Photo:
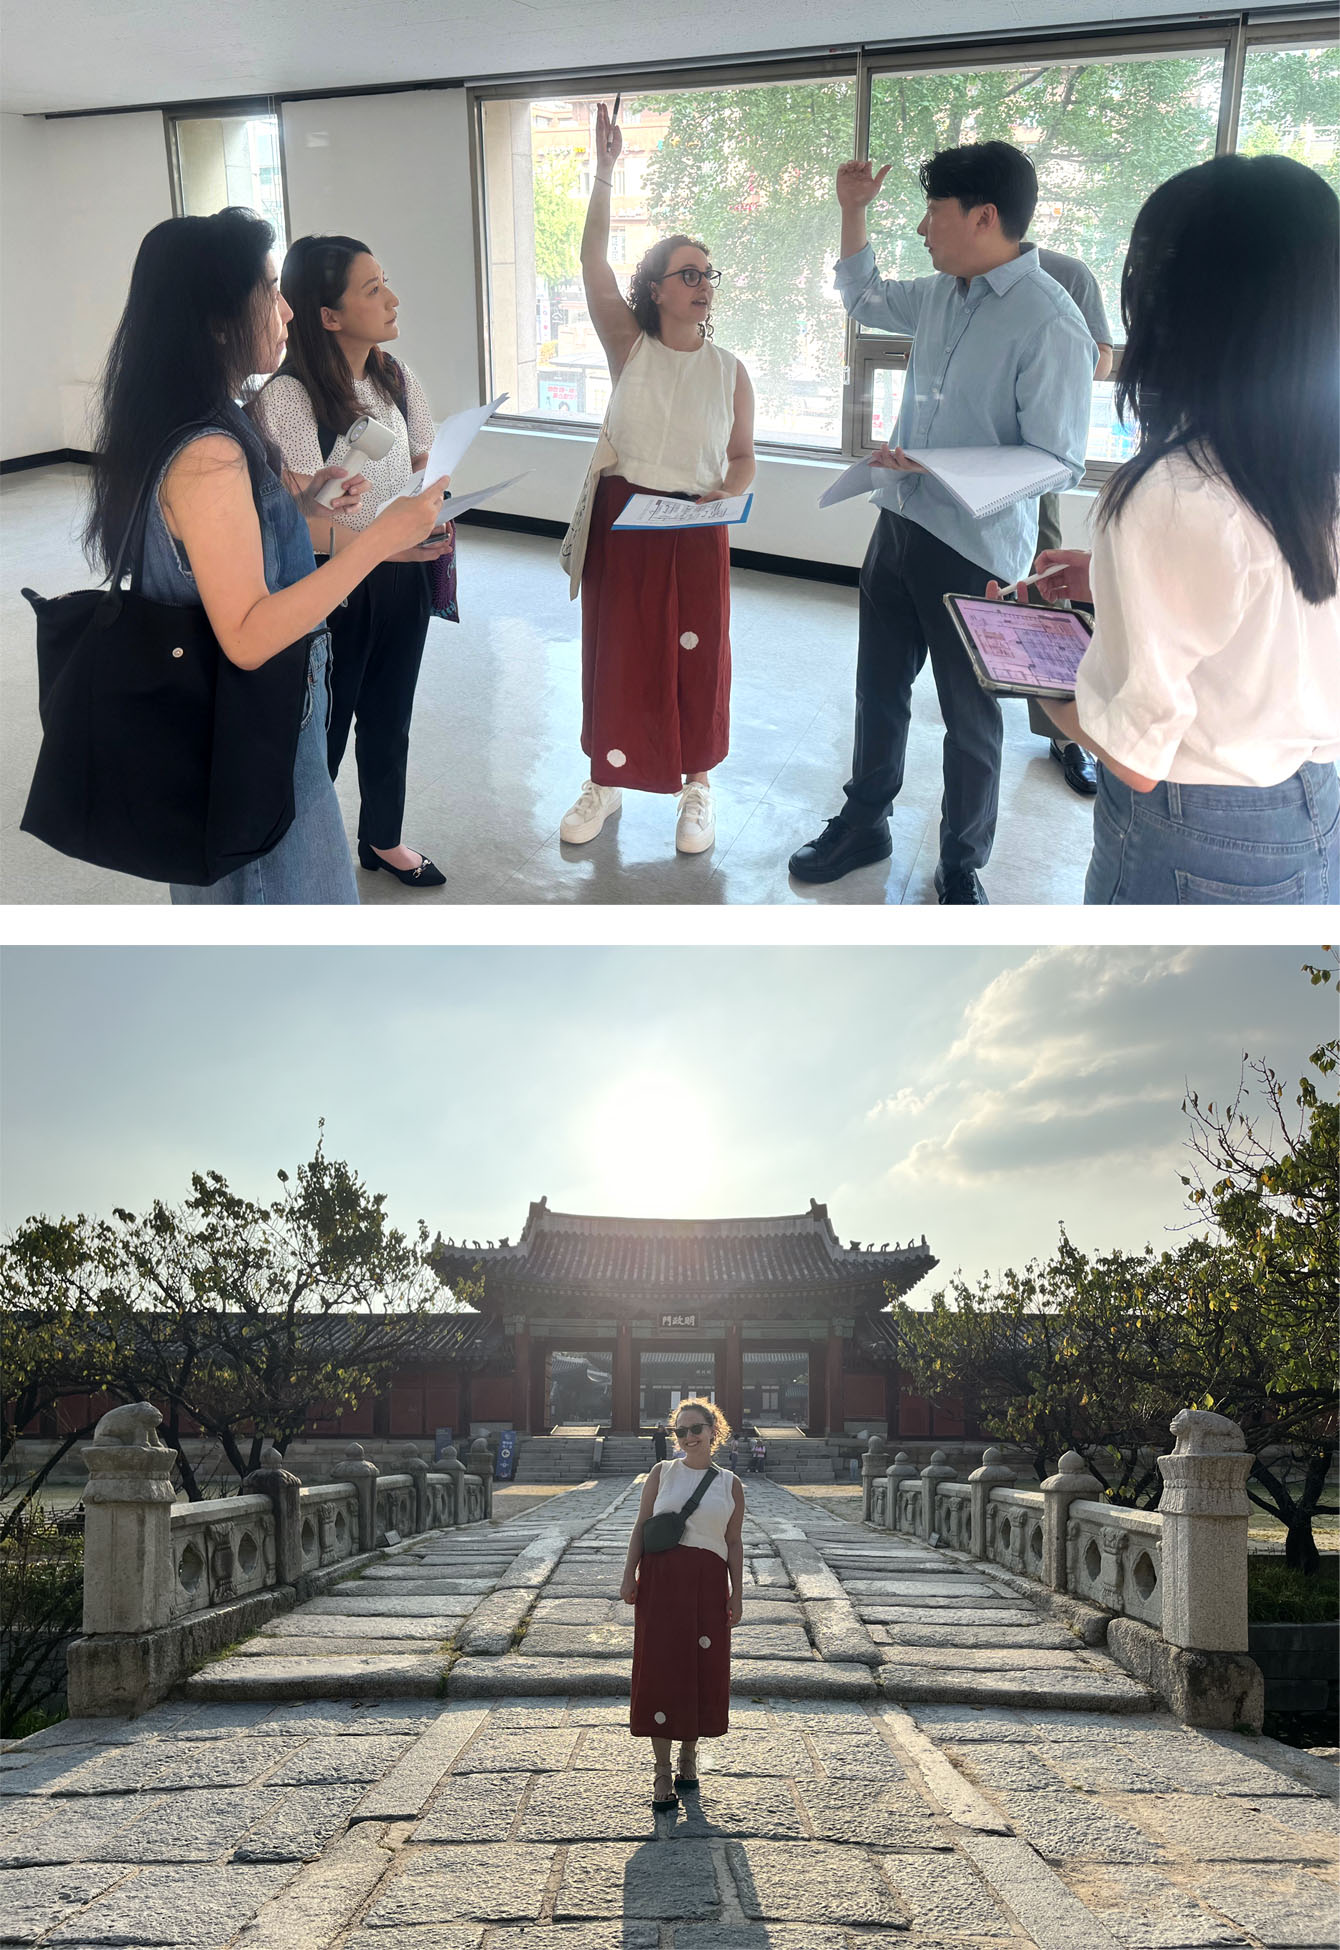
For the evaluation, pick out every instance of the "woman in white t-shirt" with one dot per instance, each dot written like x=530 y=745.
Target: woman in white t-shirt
x=687 y=1599
x=655 y=606
x=1211 y=691
x=334 y=375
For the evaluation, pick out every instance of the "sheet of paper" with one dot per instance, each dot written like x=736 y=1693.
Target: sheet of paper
x=986 y=479
x=665 y=511
x=859 y=478
x=452 y=440
x=456 y=504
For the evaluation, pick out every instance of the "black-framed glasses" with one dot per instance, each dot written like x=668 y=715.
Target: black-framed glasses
x=690 y=1428
x=693 y=277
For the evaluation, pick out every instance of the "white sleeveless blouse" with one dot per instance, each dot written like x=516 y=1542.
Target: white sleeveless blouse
x=671 y=415
x=705 y=1530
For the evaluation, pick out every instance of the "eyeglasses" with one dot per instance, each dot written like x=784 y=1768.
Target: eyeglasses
x=690 y=1428
x=693 y=277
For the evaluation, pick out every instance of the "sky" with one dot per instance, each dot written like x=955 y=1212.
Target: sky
x=982 y=1097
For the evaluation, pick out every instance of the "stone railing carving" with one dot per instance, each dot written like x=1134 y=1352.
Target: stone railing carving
x=1172 y=1581
x=166 y=1584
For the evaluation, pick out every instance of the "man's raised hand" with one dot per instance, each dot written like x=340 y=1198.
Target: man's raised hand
x=857 y=184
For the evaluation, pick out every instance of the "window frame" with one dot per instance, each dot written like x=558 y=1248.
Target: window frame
x=865 y=352
x=248 y=106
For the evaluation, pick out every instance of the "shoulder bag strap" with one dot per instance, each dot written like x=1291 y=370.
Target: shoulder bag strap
x=130 y=554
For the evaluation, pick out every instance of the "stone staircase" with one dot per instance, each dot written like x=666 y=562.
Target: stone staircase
x=554 y=1459
x=627 y=1455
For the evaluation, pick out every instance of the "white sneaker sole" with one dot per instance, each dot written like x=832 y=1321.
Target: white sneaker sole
x=695 y=842
x=581 y=835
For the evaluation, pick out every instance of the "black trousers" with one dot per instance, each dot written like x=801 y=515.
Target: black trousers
x=377 y=640
x=906 y=573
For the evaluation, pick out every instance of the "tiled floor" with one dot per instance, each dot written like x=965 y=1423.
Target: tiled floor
x=495 y=760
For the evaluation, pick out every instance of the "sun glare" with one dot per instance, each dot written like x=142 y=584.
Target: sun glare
x=657 y=1154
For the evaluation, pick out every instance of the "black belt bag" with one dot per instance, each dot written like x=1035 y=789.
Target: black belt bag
x=663 y=1532
x=159 y=757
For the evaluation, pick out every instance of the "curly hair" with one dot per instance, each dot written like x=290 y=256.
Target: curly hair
x=712 y=1415
x=650 y=270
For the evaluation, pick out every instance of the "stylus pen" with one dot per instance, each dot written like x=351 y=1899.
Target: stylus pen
x=1026 y=582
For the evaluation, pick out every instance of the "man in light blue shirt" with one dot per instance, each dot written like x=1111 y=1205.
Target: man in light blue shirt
x=1000 y=357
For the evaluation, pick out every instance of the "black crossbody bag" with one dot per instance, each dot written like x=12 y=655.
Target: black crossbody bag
x=663 y=1532
x=159 y=757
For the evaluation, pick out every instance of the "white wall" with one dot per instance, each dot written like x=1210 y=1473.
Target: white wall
x=392 y=169
x=77 y=198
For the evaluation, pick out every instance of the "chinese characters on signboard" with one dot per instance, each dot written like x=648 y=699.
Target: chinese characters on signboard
x=679 y=1320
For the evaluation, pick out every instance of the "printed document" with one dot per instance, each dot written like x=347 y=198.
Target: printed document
x=665 y=511
x=984 y=480
x=452 y=440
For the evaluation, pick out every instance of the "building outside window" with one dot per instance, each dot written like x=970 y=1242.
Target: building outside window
x=226 y=161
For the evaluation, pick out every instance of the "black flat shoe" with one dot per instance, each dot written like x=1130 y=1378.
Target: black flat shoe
x=685 y=1782
x=840 y=849
x=1077 y=767
x=663 y=1807
x=424 y=875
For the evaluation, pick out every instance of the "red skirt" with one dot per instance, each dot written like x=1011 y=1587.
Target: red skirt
x=655 y=649
x=681 y=1645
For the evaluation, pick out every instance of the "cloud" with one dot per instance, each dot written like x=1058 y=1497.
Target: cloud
x=1006 y=1135
x=906 y=1102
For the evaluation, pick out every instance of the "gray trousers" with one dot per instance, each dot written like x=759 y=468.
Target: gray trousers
x=906 y=573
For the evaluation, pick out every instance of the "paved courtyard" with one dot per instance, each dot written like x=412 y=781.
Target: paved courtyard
x=436 y=1755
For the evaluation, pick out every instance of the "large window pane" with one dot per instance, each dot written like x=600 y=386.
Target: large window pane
x=1291 y=107
x=749 y=170
x=231 y=161
x=1102 y=135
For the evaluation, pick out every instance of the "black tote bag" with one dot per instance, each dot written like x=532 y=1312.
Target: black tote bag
x=159 y=757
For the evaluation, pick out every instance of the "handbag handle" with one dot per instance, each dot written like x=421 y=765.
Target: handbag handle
x=132 y=541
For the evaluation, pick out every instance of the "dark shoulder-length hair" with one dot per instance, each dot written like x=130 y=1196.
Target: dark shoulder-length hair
x=183 y=351
x=1229 y=299
x=650 y=270
x=316 y=274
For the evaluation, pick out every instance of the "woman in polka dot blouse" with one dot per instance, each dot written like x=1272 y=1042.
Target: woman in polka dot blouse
x=686 y=1602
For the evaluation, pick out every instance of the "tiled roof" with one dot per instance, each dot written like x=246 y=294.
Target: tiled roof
x=565 y=1252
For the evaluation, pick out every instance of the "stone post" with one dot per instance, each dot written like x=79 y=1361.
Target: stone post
x=1071 y=1483
x=1204 y=1509
x=481 y=1465
x=873 y=1463
x=452 y=1466
x=284 y=1491
x=129 y=1576
x=356 y=1469
x=900 y=1471
x=413 y=1464
x=937 y=1471
x=993 y=1473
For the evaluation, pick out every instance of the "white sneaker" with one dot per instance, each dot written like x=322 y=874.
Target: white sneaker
x=583 y=821
x=697 y=827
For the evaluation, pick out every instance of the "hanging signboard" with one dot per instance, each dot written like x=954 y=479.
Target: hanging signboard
x=679 y=1320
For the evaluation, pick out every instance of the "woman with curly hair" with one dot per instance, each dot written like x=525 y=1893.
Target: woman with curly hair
x=655 y=606
x=687 y=1599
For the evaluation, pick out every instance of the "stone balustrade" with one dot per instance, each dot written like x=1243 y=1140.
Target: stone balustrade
x=1165 y=1589
x=167 y=1584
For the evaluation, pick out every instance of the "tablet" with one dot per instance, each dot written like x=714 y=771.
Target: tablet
x=1021 y=649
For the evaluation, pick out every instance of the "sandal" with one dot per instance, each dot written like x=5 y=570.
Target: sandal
x=662 y=1805
x=688 y=1752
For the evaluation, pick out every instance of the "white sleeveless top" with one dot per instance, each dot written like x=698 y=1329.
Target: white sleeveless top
x=671 y=415
x=705 y=1530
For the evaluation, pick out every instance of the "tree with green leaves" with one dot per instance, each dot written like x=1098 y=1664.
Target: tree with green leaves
x=559 y=216
x=246 y=1318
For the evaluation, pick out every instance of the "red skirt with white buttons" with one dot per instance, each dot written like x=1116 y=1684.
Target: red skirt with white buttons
x=681 y=1645
x=655 y=649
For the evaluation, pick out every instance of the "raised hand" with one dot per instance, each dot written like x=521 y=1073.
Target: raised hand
x=608 y=143
x=857 y=184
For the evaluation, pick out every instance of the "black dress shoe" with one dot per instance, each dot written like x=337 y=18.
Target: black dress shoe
x=1077 y=767
x=424 y=875
x=960 y=887
x=839 y=849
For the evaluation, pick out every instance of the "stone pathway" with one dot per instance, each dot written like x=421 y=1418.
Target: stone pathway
x=846 y=1809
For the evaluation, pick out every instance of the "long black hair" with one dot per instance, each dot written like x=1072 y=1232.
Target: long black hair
x=316 y=274
x=650 y=270
x=1229 y=298
x=184 y=349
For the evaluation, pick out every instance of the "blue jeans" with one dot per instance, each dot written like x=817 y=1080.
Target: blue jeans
x=1204 y=845
x=311 y=864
